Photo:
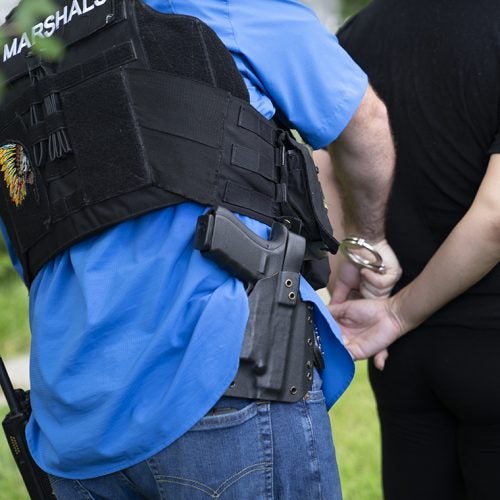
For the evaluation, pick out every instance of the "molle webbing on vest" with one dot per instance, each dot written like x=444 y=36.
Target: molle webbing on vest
x=146 y=110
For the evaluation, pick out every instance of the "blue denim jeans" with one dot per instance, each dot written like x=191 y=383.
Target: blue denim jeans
x=241 y=450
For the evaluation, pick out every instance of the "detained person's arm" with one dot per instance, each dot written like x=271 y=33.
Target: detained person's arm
x=356 y=178
x=469 y=252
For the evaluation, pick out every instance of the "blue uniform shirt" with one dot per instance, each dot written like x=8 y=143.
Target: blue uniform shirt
x=134 y=334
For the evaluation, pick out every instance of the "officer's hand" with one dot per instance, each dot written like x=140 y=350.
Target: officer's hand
x=344 y=280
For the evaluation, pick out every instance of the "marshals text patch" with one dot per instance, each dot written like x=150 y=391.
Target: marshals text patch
x=49 y=26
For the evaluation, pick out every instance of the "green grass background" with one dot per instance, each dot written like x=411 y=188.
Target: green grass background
x=14 y=340
x=357 y=439
x=354 y=420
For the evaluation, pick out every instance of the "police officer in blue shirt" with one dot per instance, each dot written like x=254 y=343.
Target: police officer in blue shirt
x=136 y=335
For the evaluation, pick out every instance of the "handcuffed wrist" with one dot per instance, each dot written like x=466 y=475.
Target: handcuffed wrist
x=362 y=253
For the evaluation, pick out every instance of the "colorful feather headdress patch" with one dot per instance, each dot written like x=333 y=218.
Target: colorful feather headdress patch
x=16 y=169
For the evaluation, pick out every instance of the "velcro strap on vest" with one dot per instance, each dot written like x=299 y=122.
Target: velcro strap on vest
x=223 y=132
x=254 y=122
x=51 y=123
x=102 y=63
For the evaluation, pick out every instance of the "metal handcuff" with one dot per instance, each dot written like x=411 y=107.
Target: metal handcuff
x=351 y=248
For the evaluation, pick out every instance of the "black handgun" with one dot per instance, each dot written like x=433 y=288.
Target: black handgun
x=276 y=358
x=244 y=254
x=36 y=480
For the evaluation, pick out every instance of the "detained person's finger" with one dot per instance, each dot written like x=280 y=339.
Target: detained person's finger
x=380 y=358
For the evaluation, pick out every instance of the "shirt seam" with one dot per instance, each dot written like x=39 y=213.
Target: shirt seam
x=231 y=25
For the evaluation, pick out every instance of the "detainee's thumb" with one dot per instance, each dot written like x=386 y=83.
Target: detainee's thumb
x=380 y=358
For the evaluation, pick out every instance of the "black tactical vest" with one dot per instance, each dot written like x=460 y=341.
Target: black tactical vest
x=145 y=110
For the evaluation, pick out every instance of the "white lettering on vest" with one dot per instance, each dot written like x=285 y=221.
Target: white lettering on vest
x=75 y=9
x=86 y=8
x=61 y=17
x=37 y=30
x=8 y=52
x=49 y=26
x=24 y=43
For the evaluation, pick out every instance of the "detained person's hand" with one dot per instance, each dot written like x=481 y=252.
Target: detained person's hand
x=348 y=281
x=374 y=285
x=368 y=327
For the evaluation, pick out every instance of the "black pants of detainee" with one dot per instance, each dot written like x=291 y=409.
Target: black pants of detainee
x=438 y=401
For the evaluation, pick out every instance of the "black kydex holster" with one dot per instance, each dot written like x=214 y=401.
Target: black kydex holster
x=36 y=480
x=276 y=359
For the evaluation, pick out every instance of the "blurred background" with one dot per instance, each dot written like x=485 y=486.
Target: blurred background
x=5 y=6
x=354 y=420
x=334 y=12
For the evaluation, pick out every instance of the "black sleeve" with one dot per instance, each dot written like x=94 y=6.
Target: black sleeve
x=495 y=146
